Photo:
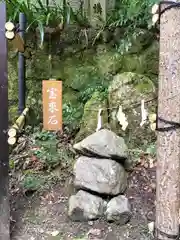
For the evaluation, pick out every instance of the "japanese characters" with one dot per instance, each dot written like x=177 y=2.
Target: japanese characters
x=52 y=105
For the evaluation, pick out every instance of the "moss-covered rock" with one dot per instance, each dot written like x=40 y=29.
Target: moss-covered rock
x=145 y=63
x=127 y=90
x=78 y=75
x=131 y=63
x=140 y=39
x=89 y=119
x=149 y=59
x=82 y=73
x=72 y=108
x=108 y=60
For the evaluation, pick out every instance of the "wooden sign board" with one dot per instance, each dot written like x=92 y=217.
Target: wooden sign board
x=52 y=105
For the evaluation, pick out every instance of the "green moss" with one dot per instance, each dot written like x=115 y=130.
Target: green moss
x=127 y=90
x=131 y=63
x=70 y=96
x=79 y=75
x=108 y=60
x=89 y=119
x=145 y=63
x=13 y=89
x=140 y=39
x=34 y=101
x=72 y=108
x=82 y=74
x=12 y=80
x=13 y=114
x=149 y=59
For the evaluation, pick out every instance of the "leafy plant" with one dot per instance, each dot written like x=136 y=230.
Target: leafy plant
x=44 y=136
x=151 y=150
x=132 y=14
x=86 y=95
x=49 y=151
x=40 y=15
x=33 y=181
x=72 y=114
x=128 y=15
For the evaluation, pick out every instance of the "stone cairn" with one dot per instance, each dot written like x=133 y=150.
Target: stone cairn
x=100 y=179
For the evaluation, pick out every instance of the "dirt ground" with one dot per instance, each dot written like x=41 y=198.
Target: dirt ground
x=44 y=216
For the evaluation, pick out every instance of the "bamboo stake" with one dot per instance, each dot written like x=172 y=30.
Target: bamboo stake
x=10 y=35
x=9 y=26
x=19 y=124
x=12 y=140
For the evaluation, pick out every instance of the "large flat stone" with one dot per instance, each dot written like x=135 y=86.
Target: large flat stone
x=103 y=143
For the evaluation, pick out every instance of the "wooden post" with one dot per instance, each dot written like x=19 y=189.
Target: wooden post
x=22 y=67
x=100 y=9
x=168 y=142
x=4 y=163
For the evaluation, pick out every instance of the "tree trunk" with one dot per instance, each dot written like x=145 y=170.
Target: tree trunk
x=4 y=164
x=168 y=142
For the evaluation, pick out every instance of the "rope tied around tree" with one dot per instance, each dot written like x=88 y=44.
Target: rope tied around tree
x=175 y=237
x=157 y=12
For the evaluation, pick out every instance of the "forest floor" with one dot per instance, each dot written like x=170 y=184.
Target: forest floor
x=42 y=214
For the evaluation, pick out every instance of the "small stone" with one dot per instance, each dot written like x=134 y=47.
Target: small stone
x=146 y=165
x=153 y=185
x=84 y=206
x=94 y=232
x=41 y=230
x=118 y=210
x=90 y=223
x=55 y=233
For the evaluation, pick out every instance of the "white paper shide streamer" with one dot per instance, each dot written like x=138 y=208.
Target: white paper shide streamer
x=122 y=119
x=99 y=120
x=144 y=114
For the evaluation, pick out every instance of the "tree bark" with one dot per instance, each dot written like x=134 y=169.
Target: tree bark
x=4 y=163
x=168 y=142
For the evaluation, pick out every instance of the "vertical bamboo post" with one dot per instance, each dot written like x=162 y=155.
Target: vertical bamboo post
x=168 y=142
x=4 y=161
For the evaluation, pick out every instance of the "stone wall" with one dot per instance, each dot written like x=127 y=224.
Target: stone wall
x=85 y=72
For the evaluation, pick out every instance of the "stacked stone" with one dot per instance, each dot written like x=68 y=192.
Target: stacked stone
x=100 y=179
